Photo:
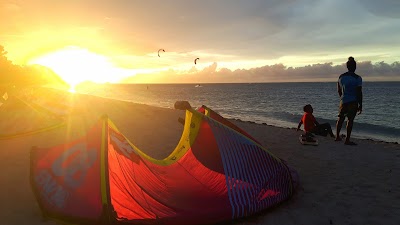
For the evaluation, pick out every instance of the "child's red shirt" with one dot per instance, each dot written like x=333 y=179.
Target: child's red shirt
x=308 y=120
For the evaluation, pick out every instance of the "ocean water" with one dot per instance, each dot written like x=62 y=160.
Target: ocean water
x=277 y=104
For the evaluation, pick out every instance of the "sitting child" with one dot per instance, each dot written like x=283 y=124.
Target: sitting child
x=311 y=126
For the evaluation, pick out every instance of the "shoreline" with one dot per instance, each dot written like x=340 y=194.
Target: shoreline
x=361 y=130
x=293 y=128
x=354 y=134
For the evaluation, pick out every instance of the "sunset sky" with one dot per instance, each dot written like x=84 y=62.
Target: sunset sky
x=240 y=41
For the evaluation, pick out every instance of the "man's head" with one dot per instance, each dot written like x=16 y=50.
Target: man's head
x=351 y=64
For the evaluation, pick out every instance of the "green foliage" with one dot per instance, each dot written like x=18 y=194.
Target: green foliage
x=22 y=76
x=6 y=66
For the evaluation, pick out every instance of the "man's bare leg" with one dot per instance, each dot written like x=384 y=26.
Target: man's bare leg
x=339 y=124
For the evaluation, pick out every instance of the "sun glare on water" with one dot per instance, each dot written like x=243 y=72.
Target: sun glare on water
x=75 y=65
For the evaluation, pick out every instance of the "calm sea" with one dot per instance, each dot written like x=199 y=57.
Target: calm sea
x=278 y=104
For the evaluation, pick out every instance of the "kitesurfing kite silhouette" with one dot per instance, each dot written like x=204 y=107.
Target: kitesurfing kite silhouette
x=159 y=51
x=195 y=61
x=102 y=178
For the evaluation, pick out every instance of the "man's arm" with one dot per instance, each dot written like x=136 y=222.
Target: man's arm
x=359 y=98
x=339 y=89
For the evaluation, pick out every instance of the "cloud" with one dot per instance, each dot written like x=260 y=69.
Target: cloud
x=224 y=27
x=274 y=73
x=266 y=29
x=243 y=30
x=382 y=8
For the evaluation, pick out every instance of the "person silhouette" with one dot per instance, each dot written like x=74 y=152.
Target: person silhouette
x=349 y=87
x=311 y=125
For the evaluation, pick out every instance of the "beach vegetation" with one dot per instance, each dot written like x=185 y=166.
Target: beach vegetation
x=16 y=76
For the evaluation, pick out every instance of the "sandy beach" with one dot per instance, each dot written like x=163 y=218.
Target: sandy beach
x=339 y=184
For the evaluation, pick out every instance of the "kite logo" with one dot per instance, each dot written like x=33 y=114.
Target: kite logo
x=74 y=163
x=53 y=192
x=124 y=147
x=67 y=172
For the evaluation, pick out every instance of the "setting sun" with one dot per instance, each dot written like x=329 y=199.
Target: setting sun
x=75 y=65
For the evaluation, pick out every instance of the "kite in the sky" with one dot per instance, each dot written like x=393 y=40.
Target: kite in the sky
x=159 y=51
x=195 y=61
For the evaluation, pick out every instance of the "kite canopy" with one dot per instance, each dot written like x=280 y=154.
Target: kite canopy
x=35 y=118
x=159 y=51
x=216 y=173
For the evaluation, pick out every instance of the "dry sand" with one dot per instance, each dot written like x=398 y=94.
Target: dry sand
x=339 y=184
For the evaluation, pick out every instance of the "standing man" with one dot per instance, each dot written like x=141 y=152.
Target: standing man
x=349 y=88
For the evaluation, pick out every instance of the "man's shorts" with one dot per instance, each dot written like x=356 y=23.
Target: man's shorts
x=348 y=109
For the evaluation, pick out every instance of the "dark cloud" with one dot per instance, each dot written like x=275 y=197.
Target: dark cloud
x=275 y=73
x=382 y=8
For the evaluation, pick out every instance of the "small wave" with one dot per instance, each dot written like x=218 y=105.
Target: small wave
x=289 y=120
